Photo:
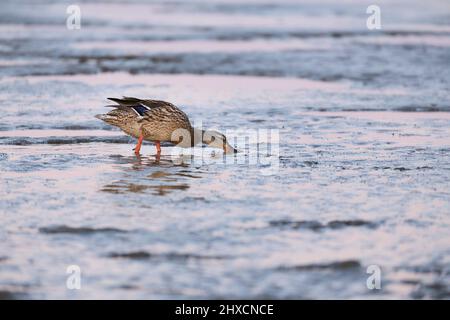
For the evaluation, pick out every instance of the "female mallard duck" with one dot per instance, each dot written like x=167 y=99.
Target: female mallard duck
x=159 y=121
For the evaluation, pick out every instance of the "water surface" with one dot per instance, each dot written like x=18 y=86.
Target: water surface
x=361 y=178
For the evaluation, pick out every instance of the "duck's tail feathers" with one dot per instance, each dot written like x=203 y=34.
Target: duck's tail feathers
x=103 y=117
x=127 y=101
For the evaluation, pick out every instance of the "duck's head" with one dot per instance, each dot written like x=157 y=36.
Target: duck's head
x=216 y=139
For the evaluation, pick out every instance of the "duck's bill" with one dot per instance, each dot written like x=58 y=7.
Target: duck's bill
x=229 y=149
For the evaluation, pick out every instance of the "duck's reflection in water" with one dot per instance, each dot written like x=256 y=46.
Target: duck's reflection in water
x=158 y=175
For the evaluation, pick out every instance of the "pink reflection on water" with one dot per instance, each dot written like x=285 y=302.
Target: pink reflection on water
x=422 y=40
x=199 y=81
x=58 y=133
x=400 y=129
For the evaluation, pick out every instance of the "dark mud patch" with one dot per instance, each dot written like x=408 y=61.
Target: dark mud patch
x=195 y=199
x=429 y=108
x=402 y=169
x=318 y=226
x=433 y=290
x=144 y=255
x=135 y=255
x=62 y=229
x=11 y=295
x=346 y=265
x=436 y=284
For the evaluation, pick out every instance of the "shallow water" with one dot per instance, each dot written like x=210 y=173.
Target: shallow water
x=361 y=176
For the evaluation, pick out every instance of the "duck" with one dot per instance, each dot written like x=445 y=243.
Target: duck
x=160 y=121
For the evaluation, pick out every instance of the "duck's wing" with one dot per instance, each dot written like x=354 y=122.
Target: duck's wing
x=153 y=110
x=131 y=104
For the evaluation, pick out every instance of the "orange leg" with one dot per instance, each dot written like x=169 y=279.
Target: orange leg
x=158 y=147
x=139 y=144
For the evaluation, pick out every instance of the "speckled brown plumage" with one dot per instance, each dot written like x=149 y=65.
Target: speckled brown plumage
x=159 y=121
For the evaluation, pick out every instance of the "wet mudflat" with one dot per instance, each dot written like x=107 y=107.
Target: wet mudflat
x=361 y=176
